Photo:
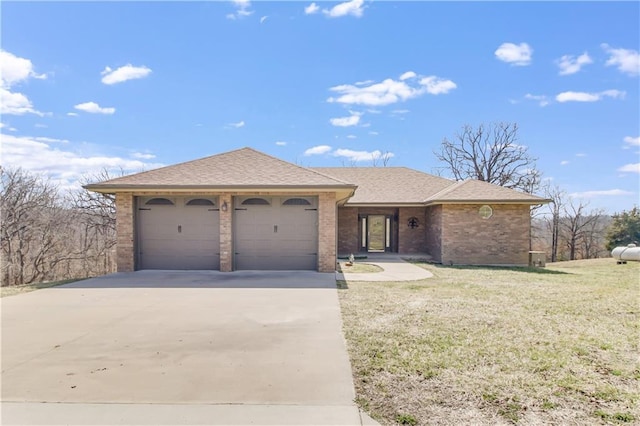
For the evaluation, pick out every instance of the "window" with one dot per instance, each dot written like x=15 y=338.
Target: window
x=159 y=202
x=296 y=202
x=255 y=202
x=200 y=202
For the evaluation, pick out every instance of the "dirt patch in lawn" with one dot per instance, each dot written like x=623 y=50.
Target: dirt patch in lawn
x=358 y=268
x=493 y=346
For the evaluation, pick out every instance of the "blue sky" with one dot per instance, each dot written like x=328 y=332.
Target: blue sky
x=135 y=85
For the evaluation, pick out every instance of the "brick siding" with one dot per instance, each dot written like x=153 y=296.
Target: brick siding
x=125 y=247
x=411 y=240
x=327 y=231
x=348 y=232
x=503 y=239
x=433 y=228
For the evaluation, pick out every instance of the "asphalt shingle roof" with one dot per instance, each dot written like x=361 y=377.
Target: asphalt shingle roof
x=244 y=167
x=472 y=190
x=388 y=185
x=248 y=168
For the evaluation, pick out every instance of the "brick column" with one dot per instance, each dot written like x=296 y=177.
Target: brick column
x=125 y=254
x=327 y=228
x=226 y=233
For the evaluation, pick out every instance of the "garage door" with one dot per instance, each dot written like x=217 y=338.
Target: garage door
x=178 y=233
x=278 y=233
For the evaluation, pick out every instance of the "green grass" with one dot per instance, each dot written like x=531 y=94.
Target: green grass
x=19 y=289
x=486 y=346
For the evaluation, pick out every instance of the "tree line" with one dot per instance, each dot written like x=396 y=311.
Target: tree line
x=51 y=235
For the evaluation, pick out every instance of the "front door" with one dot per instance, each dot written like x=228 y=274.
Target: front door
x=377 y=233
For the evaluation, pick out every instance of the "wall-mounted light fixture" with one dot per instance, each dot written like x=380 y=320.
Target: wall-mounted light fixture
x=224 y=206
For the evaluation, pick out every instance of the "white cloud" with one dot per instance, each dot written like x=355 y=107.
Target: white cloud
x=389 y=91
x=317 y=150
x=311 y=9
x=15 y=70
x=372 y=133
x=49 y=140
x=603 y=193
x=15 y=103
x=94 y=108
x=352 y=120
x=581 y=154
x=262 y=19
x=358 y=156
x=514 y=54
x=407 y=75
x=72 y=114
x=127 y=72
x=564 y=162
x=281 y=143
x=352 y=137
x=143 y=155
x=630 y=140
x=627 y=60
x=589 y=97
x=400 y=111
x=437 y=86
x=242 y=9
x=632 y=168
x=569 y=64
x=541 y=99
x=64 y=167
x=353 y=7
x=40 y=126
x=238 y=124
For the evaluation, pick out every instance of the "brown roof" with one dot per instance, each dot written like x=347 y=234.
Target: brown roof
x=244 y=167
x=388 y=185
x=249 y=169
x=400 y=185
x=476 y=191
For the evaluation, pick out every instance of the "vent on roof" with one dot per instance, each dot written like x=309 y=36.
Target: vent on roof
x=255 y=202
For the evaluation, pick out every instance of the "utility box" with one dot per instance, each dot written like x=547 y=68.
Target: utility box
x=537 y=259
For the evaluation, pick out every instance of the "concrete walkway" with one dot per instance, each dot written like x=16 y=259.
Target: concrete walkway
x=395 y=268
x=171 y=347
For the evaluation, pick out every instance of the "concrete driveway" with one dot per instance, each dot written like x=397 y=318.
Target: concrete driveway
x=167 y=347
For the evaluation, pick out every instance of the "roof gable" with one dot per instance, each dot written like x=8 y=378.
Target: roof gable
x=244 y=167
x=472 y=190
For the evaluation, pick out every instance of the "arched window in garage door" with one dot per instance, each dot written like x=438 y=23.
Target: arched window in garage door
x=159 y=202
x=200 y=202
x=296 y=202
x=255 y=202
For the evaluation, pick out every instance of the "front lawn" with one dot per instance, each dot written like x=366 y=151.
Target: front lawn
x=19 y=289
x=488 y=346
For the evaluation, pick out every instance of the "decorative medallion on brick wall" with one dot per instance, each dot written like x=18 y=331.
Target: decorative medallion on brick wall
x=485 y=212
x=413 y=222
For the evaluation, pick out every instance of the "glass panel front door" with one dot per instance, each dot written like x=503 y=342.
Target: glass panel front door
x=377 y=233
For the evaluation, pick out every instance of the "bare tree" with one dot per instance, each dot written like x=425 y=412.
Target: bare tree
x=45 y=236
x=381 y=158
x=556 y=207
x=29 y=222
x=491 y=154
x=575 y=224
x=593 y=236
